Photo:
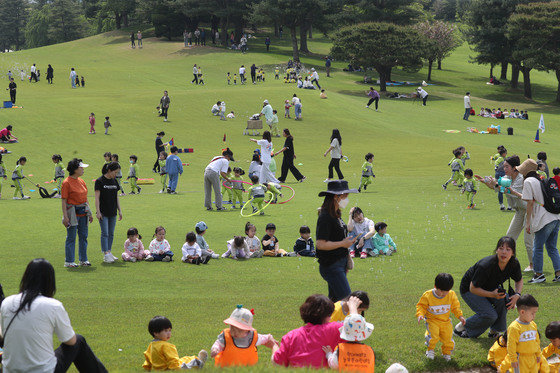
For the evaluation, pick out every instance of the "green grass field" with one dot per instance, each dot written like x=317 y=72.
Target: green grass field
x=112 y=304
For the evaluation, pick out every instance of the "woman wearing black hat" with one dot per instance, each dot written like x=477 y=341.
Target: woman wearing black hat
x=333 y=241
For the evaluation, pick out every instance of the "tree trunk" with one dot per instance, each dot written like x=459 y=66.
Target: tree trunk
x=430 y=64
x=295 y=51
x=224 y=34
x=125 y=20
x=439 y=64
x=303 y=39
x=503 y=74
x=118 y=18
x=558 y=91
x=514 y=75
x=276 y=32
x=384 y=76
x=526 y=82
x=491 y=70
x=310 y=32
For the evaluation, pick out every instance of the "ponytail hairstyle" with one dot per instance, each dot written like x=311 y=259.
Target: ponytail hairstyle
x=57 y=157
x=248 y=227
x=21 y=159
x=132 y=231
x=266 y=136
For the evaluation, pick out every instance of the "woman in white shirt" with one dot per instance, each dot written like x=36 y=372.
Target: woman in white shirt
x=336 y=155
x=266 y=149
x=30 y=319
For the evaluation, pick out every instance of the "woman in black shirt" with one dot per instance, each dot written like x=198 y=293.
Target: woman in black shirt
x=288 y=160
x=482 y=288
x=160 y=147
x=333 y=241
x=107 y=204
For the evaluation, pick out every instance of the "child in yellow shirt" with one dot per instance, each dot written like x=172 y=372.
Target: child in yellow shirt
x=524 y=344
x=434 y=308
x=498 y=351
x=552 y=351
x=162 y=355
x=341 y=309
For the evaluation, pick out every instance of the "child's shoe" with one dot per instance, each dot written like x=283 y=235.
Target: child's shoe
x=132 y=192
x=446 y=357
x=166 y=259
x=430 y=354
x=139 y=190
x=365 y=187
x=352 y=253
x=162 y=191
x=444 y=186
x=202 y=356
x=25 y=197
x=133 y=259
x=502 y=207
x=374 y=253
x=149 y=258
x=215 y=256
x=360 y=190
x=363 y=255
x=16 y=198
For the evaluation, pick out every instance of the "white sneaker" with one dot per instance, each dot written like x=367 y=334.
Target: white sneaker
x=133 y=259
x=161 y=191
x=149 y=258
x=215 y=256
x=114 y=257
x=528 y=269
x=447 y=357
x=430 y=354
x=108 y=258
x=459 y=327
x=166 y=259
x=25 y=197
x=326 y=180
x=70 y=265
x=165 y=120
x=85 y=264
x=16 y=198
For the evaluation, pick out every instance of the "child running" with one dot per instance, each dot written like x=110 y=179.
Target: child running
x=457 y=167
x=133 y=175
x=133 y=247
x=17 y=177
x=434 y=308
x=367 y=172
x=58 y=173
x=162 y=171
x=162 y=355
x=160 y=250
x=470 y=187
x=237 y=345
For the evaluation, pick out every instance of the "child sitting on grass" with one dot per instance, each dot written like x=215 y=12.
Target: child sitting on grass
x=341 y=308
x=133 y=175
x=191 y=251
x=382 y=242
x=160 y=250
x=200 y=229
x=304 y=244
x=237 y=345
x=434 y=308
x=270 y=242
x=133 y=247
x=367 y=172
x=252 y=241
x=162 y=355
x=323 y=94
x=552 y=332
x=498 y=351
x=237 y=248
x=352 y=355
x=469 y=186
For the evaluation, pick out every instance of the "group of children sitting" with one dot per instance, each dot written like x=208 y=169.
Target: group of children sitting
x=499 y=114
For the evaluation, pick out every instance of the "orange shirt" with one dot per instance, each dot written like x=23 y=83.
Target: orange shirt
x=355 y=357
x=74 y=191
x=237 y=356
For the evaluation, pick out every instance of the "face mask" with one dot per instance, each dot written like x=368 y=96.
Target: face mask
x=131 y=162
x=343 y=203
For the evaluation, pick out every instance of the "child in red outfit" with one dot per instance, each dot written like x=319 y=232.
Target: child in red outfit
x=556 y=172
x=91 y=124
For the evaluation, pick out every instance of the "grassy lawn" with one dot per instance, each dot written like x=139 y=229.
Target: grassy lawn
x=112 y=304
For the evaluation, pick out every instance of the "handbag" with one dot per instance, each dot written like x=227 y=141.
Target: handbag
x=350 y=262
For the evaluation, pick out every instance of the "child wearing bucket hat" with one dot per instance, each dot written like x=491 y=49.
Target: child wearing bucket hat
x=237 y=345
x=352 y=355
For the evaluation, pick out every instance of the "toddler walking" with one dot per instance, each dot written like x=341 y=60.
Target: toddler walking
x=91 y=123
x=237 y=187
x=470 y=187
x=367 y=172
x=107 y=124
x=133 y=175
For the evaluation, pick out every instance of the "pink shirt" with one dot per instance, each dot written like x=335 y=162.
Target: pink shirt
x=133 y=248
x=302 y=347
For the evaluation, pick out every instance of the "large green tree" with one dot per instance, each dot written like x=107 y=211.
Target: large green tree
x=37 y=27
x=536 y=29
x=67 y=22
x=13 y=14
x=379 y=45
x=403 y=12
x=121 y=10
x=441 y=39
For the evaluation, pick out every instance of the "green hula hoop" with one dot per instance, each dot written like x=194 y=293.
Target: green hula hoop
x=248 y=203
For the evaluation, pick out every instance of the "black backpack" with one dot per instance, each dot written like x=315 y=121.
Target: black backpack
x=551 y=194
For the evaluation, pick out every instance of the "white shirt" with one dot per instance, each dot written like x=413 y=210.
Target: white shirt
x=73 y=74
x=467 y=102
x=363 y=227
x=314 y=75
x=266 y=148
x=194 y=70
x=215 y=108
x=541 y=217
x=254 y=244
x=189 y=250
x=336 y=151
x=422 y=93
x=241 y=70
x=296 y=100
x=33 y=68
x=29 y=343
x=218 y=164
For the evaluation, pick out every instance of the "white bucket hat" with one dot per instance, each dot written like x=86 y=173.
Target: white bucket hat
x=355 y=328
x=241 y=318
x=396 y=368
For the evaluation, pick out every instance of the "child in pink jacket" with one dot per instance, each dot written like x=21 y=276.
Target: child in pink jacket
x=91 y=124
x=133 y=247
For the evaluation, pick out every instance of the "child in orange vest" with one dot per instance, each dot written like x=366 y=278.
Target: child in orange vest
x=162 y=355
x=237 y=345
x=353 y=355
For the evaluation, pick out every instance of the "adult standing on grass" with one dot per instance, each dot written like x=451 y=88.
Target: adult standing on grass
x=217 y=167
x=33 y=73
x=267 y=43
x=132 y=40
x=267 y=112
x=73 y=77
x=242 y=74
x=75 y=213
x=296 y=101
x=185 y=37
x=542 y=223
x=373 y=97
x=195 y=74
x=12 y=87
x=30 y=320
x=160 y=147
x=139 y=37
x=254 y=73
x=266 y=174
x=517 y=225
x=50 y=74
x=423 y=95
x=288 y=160
x=333 y=241
x=336 y=154
x=106 y=206
x=483 y=289
x=468 y=106
x=164 y=103
x=328 y=63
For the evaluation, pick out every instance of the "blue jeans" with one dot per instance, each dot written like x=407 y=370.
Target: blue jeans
x=173 y=179
x=107 y=225
x=368 y=244
x=335 y=276
x=546 y=235
x=297 y=109
x=467 y=113
x=73 y=83
x=159 y=257
x=488 y=313
x=82 y=230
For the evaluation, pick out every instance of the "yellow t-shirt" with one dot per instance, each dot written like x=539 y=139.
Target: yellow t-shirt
x=338 y=313
x=523 y=339
x=552 y=352
x=162 y=355
x=497 y=353
x=434 y=308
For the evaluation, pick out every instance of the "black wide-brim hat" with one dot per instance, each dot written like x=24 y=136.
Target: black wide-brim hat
x=337 y=187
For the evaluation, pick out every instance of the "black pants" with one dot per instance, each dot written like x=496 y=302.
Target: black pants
x=81 y=355
x=424 y=100
x=164 y=111
x=316 y=82
x=376 y=99
x=49 y=79
x=13 y=96
x=335 y=163
x=253 y=77
x=195 y=79
x=156 y=167
x=288 y=165
x=34 y=77
x=267 y=47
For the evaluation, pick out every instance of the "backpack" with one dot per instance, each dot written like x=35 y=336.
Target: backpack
x=551 y=195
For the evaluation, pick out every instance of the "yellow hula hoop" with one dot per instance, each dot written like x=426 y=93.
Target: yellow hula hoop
x=248 y=203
